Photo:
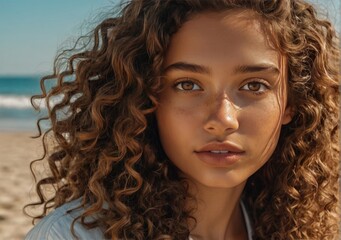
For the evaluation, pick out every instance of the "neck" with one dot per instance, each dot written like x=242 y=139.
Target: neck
x=217 y=212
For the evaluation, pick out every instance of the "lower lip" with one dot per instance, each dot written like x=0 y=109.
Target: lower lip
x=219 y=159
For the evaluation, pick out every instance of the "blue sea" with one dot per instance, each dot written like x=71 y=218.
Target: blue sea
x=16 y=112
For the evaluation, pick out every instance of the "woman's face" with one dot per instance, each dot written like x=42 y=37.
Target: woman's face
x=224 y=100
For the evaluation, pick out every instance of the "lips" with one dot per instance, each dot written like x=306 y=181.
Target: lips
x=223 y=147
x=220 y=154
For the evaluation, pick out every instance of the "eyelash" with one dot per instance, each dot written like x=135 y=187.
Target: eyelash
x=187 y=80
x=263 y=84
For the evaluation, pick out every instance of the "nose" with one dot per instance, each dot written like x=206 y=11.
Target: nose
x=222 y=119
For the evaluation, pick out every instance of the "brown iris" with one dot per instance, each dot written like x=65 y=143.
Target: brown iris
x=254 y=86
x=187 y=85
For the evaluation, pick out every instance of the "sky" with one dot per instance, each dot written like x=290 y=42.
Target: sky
x=31 y=31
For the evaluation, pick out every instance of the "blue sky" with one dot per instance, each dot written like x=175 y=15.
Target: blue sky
x=31 y=31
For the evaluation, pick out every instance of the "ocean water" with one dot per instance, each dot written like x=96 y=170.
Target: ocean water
x=16 y=112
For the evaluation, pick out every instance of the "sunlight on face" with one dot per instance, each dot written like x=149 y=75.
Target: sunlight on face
x=220 y=113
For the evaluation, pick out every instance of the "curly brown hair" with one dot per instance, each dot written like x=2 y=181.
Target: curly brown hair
x=107 y=148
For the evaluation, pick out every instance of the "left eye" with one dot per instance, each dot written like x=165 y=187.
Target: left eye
x=255 y=87
x=187 y=86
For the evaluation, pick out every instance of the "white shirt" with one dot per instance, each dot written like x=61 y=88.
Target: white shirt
x=56 y=225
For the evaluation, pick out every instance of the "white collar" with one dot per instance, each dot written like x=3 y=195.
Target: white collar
x=249 y=227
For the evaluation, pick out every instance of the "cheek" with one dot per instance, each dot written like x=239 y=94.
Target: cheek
x=261 y=125
x=179 y=123
x=178 y=113
x=174 y=124
x=261 y=117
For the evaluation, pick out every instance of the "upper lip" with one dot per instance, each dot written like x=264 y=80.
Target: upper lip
x=221 y=146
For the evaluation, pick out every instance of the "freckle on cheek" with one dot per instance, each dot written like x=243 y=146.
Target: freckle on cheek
x=182 y=111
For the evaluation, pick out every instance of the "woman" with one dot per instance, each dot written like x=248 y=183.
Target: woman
x=196 y=119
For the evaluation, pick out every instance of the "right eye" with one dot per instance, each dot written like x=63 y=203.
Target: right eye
x=187 y=85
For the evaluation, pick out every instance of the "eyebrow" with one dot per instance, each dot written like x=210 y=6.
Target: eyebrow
x=256 y=68
x=196 y=68
x=190 y=67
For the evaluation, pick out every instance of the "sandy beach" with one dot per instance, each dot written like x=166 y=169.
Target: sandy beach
x=17 y=150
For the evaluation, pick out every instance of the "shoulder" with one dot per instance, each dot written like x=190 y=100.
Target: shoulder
x=57 y=225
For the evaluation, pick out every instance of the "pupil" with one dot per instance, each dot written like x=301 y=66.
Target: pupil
x=187 y=85
x=254 y=86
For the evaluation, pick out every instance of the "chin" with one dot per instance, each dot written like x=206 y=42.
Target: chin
x=220 y=182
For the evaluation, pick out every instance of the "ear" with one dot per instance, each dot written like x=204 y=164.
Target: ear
x=287 y=115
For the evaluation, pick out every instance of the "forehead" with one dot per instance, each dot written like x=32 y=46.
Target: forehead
x=234 y=34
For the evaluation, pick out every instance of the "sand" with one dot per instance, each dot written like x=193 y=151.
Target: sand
x=17 y=150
